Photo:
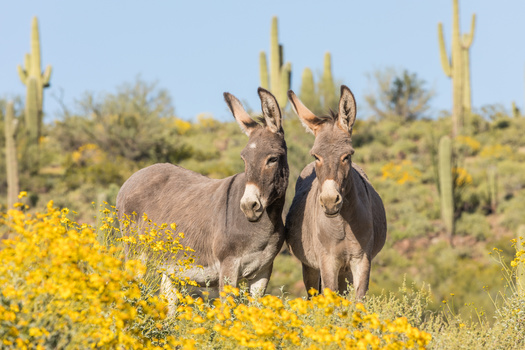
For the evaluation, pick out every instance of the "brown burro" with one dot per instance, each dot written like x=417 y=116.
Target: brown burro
x=336 y=224
x=235 y=224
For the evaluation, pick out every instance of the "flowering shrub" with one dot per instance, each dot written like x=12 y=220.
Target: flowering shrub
x=400 y=173
x=63 y=288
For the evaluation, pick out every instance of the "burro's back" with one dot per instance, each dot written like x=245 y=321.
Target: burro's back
x=234 y=225
x=337 y=223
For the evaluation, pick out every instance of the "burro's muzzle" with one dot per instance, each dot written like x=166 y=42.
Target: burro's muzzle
x=251 y=204
x=330 y=198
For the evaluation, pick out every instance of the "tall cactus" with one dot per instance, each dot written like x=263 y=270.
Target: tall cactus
x=492 y=177
x=327 y=85
x=280 y=74
x=446 y=182
x=307 y=92
x=32 y=76
x=10 y=127
x=458 y=67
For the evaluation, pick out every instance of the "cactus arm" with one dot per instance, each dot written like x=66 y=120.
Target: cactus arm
x=466 y=40
x=445 y=62
x=47 y=76
x=263 y=70
x=22 y=74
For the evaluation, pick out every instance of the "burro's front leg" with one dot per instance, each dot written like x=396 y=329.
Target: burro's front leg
x=329 y=273
x=259 y=283
x=361 y=271
x=229 y=272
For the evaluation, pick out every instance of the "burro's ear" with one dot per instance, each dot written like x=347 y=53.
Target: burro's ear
x=310 y=121
x=271 y=111
x=347 y=109
x=244 y=120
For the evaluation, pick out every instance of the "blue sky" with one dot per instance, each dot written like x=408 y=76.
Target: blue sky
x=198 y=49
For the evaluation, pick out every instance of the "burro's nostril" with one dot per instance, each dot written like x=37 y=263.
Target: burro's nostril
x=255 y=205
x=337 y=199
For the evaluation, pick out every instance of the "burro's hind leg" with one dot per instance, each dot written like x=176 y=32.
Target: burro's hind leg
x=311 y=278
x=344 y=280
x=259 y=283
x=169 y=291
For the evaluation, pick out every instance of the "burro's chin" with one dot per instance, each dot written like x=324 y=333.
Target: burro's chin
x=251 y=204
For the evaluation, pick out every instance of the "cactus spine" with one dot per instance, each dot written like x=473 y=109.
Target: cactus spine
x=327 y=86
x=446 y=183
x=280 y=74
x=32 y=77
x=11 y=124
x=458 y=67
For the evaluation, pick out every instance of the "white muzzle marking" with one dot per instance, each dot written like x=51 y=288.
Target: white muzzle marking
x=251 y=203
x=330 y=197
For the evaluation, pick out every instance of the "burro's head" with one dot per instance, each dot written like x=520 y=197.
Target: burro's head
x=265 y=162
x=332 y=148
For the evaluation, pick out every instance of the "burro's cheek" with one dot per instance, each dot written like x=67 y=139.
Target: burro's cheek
x=330 y=198
x=252 y=205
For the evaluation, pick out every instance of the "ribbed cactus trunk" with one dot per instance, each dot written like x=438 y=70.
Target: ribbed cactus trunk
x=10 y=126
x=275 y=60
x=279 y=79
x=458 y=68
x=446 y=182
x=307 y=93
x=31 y=153
x=327 y=85
x=263 y=70
x=35 y=81
x=492 y=177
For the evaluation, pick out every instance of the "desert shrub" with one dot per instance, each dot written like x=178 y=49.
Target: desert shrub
x=61 y=288
x=473 y=224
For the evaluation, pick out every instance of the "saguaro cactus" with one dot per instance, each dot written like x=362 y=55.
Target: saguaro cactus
x=280 y=74
x=11 y=125
x=492 y=177
x=307 y=93
x=326 y=85
x=446 y=182
x=458 y=67
x=32 y=76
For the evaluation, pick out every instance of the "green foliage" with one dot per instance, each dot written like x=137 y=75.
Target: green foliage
x=458 y=67
x=398 y=95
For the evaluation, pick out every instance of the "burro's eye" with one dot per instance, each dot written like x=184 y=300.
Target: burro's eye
x=272 y=160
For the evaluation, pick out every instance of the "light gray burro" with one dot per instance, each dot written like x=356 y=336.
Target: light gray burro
x=336 y=224
x=234 y=224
